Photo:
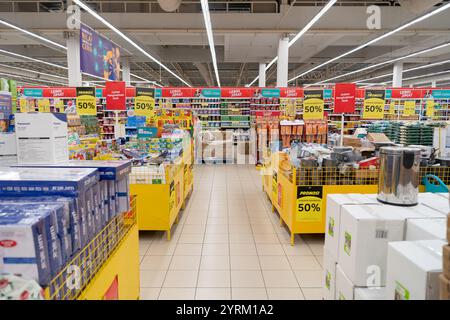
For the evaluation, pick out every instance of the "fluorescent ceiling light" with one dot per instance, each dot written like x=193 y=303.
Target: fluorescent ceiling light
x=406 y=70
x=209 y=33
x=301 y=33
x=34 y=35
x=146 y=80
x=33 y=71
x=123 y=36
x=32 y=59
x=387 y=62
x=29 y=78
x=388 y=34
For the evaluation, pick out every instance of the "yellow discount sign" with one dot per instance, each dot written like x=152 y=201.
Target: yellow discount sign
x=409 y=108
x=430 y=108
x=44 y=105
x=392 y=108
x=374 y=104
x=309 y=203
x=86 y=102
x=313 y=105
x=144 y=102
x=23 y=104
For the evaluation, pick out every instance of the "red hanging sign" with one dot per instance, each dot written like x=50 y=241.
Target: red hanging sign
x=344 y=97
x=406 y=93
x=59 y=92
x=291 y=92
x=115 y=95
x=178 y=92
x=360 y=93
x=239 y=92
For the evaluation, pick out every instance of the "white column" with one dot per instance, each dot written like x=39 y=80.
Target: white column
x=433 y=84
x=126 y=71
x=282 y=63
x=397 y=77
x=73 y=58
x=262 y=75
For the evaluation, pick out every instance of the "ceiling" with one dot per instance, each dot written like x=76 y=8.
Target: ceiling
x=246 y=33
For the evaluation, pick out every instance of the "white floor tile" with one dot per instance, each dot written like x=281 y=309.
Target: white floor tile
x=181 y=279
x=185 y=263
x=279 y=279
x=213 y=294
x=215 y=262
x=152 y=278
x=214 y=279
x=309 y=278
x=247 y=279
x=312 y=293
x=149 y=293
x=177 y=294
x=155 y=262
x=304 y=263
x=274 y=263
x=188 y=249
x=248 y=294
x=246 y=262
x=285 y=294
x=243 y=249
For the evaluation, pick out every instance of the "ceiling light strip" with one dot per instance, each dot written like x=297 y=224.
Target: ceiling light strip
x=385 y=35
x=123 y=36
x=209 y=33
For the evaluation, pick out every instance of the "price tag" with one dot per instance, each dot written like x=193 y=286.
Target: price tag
x=409 y=108
x=313 y=105
x=144 y=106
x=374 y=104
x=86 y=102
x=430 y=108
x=23 y=105
x=392 y=108
x=309 y=203
x=44 y=105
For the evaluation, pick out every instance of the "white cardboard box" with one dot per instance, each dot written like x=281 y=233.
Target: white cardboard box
x=334 y=204
x=41 y=138
x=329 y=278
x=426 y=229
x=344 y=286
x=413 y=270
x=436 y=201
x=365 y=232
x=373 y=293
x=8 y=144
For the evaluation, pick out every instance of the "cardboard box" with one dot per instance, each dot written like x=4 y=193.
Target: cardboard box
x=373 y=293
x=365 y=232
x=444 y=287
x=345 y=289
x=41 y=138
x=448 y=228
x=426 y=229
x=436 y=201
x=351 y=141
x=446 y=261
x=334 y=205
x=329 y=269
x=413 y=269
x=8 y=144
x=377 y=137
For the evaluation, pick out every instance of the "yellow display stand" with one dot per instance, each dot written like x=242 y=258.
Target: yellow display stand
x=123 y=267
x=159 y=205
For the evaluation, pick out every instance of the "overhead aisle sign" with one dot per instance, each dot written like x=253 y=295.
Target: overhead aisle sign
x=374 y=101
x=86 y=102
x=344 y=98
x=313 y=105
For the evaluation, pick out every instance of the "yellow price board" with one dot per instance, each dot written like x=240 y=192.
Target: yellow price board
x=430 y=108
x=309 y=203
x=392 y=108
x=313 y=105
x=44 y=105
x=144 y=102
x=274 y=184
x=409 y=108
x=86 y=102
x=374 y=101
x=23 y=104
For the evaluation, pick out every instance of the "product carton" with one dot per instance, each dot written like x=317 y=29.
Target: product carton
x=329 y=269
x=8 y=144
x=436 y=201
x=426 y=229
x=365 y=231
x=377 y=137
x=23 y=243
x=344 y=287
x=445 y=287
x=446 y=261
x=413 y=270
x=41 y=138
x=372 y=293
x=334 y=208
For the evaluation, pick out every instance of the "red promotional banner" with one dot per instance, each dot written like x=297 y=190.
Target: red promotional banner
x=344 y=97
x=291 y=92
x=115 y=95
x=59 y=92
x=240 y=92
x=360 y=93
x=406 y=93
x=178 y=92
x=267 y=113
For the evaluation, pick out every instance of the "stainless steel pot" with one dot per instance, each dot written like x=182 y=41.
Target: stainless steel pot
x=399 y=175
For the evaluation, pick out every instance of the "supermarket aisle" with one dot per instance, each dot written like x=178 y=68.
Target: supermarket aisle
x=229 y=245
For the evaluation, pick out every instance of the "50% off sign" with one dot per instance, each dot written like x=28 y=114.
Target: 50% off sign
x=86 y=102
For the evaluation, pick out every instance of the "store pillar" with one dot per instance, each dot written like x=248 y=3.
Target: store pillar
x=433 y=84
x=126 y=71
x=73 y=58
x=397 y=75
x=282 y=64
x=262 y=75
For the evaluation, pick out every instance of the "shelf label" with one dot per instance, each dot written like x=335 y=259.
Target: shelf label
x=144 y=102
x=430 y=108
x=409 y=108
x=391 y=110
x=147 y=132
x=313 y=105
x=44 y=105
x=23 y=105
x=86 y=102
x=374 y=104
x=309 y=203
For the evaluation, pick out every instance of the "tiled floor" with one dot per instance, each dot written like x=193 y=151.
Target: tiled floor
x=229 y=245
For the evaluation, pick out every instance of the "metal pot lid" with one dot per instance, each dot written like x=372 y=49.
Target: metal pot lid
x=399 y=150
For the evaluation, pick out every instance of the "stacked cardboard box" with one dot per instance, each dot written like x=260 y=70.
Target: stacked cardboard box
x=445 y=276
